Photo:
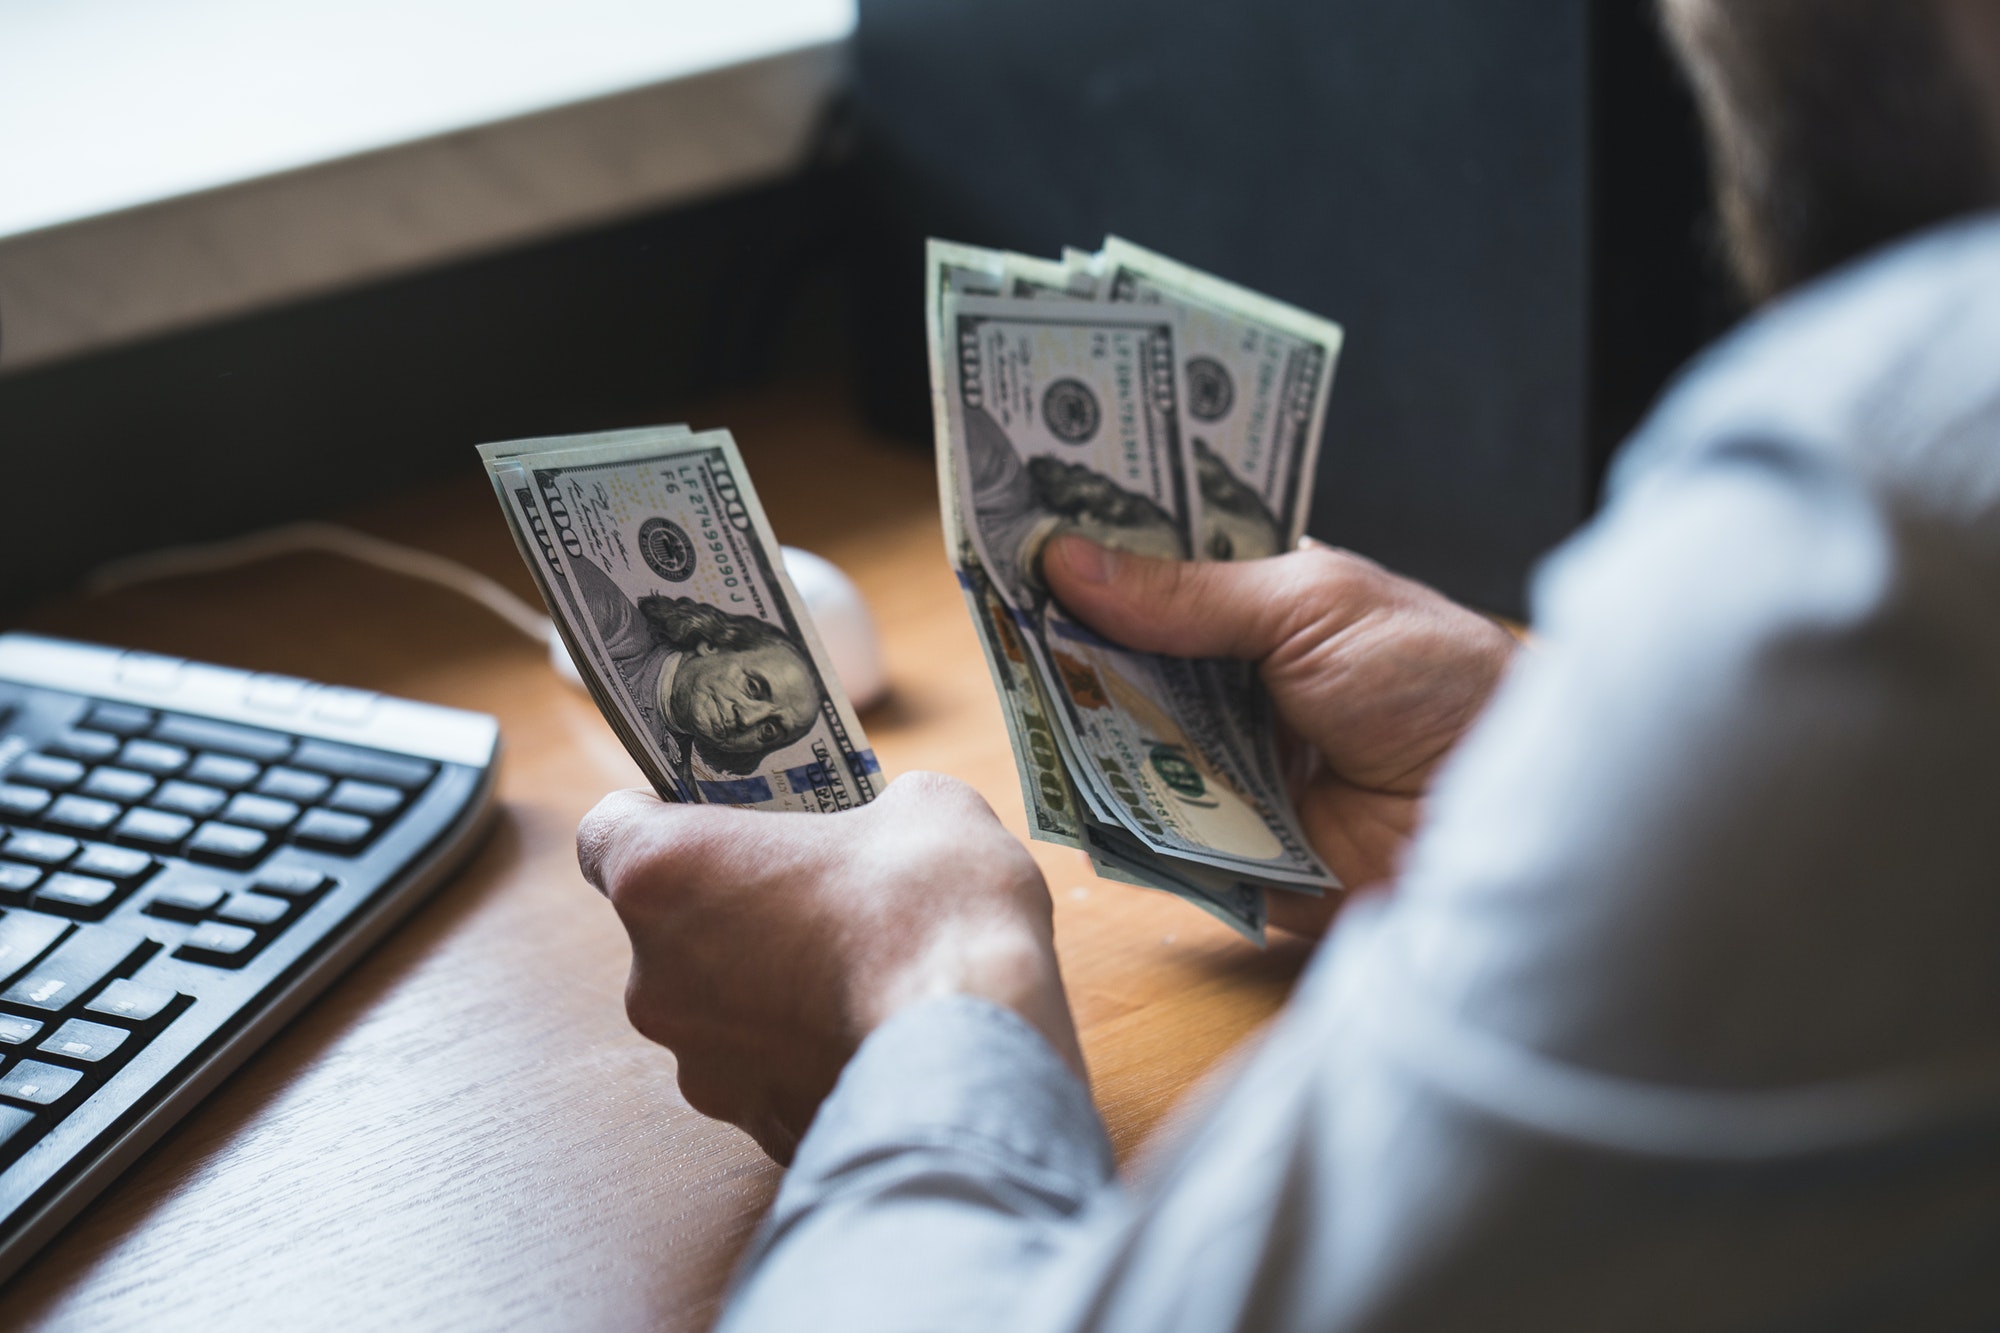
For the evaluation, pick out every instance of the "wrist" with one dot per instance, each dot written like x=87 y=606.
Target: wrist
x=1008 y=965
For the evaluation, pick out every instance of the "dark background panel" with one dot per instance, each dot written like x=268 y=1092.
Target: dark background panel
x=1501 y=200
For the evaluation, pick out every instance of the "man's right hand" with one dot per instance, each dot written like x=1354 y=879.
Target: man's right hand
x=1378 y=675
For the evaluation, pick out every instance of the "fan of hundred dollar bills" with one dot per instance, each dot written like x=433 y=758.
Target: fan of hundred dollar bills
x=1132 y=400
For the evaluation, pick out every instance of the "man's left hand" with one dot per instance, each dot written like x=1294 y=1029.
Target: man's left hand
x=765 y=947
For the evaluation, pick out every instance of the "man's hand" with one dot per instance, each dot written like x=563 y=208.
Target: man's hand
x=765 y=947
x=1379 y=677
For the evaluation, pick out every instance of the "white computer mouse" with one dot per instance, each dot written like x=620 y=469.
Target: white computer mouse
x=838 y=611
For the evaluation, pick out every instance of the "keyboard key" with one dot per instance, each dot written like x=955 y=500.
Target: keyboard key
x=47 y=849
x=264 y=812
x=78 y=964
x=16 y=878
x=119 y=784
x=153 y=757
x=24 y=937
x=227 y=844
x=294 y=882
x=346 y=762
x=85 y=814
x=85 y=1043
x=293 y=784
x=93 y=747
x=201 y=734
x=119 y=719
x=223 y=770
x=39 y=1084
x=332 y=831
x=83 y=896
x=132 y=1002
x=254 y=909
x=16 y=1031
x=153 y=828
x=122 y=864
x=186 y=902
x=18 y=1128
x=220 y=944
x=48 y=770
x=364 y=798
x=189 y=798
x=22 y=802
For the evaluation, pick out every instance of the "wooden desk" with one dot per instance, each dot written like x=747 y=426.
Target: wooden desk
x=463 y=1133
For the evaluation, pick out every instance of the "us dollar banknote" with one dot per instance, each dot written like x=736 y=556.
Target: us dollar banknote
x=665 y=582
x=1047 y=793
x=1259 y=374
x=1105 y=741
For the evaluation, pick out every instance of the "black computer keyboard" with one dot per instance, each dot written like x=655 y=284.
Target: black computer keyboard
x=187 y=855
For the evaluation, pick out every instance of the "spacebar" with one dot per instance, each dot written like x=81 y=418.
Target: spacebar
x=197 y=733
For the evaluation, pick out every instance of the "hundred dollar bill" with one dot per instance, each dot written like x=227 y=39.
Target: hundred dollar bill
x=1028 y=276
x=1062 y=418
x=1238 y=903
x=534 y=536
x=1047 y=794
x=952 y=269
x=1258 y=374
x=1054 y=812
x=665 y=580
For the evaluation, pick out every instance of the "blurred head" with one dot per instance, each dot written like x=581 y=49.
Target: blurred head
x=743 y=688
x=1837 y=125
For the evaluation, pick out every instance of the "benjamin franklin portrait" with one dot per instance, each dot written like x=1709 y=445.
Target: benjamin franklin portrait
x=1018 y=508
x=719 y=691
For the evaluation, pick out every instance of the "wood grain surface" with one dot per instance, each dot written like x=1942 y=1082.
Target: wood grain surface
x=463 y=1133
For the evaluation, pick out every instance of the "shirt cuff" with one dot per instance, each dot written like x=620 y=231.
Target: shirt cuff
x=967 y=1075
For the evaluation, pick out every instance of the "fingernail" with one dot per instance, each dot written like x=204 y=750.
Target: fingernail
x=1090 y=562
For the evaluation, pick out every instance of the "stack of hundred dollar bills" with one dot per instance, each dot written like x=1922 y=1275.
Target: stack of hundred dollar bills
x=1129 y=399
x=668 y=589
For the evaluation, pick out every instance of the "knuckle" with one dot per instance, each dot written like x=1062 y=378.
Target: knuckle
x=647 y=1016
x=1328 y=566
x=1327 y=586
x=703 y=1091
x=937 y=789
x=652 y=1009
x=634 y=861
x=602 y=832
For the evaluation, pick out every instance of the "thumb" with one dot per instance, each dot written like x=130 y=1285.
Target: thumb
x=1244 y=609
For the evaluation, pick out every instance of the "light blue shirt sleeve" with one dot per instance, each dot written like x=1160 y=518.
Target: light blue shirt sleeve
x=1685 y=1012
x=955 y=1142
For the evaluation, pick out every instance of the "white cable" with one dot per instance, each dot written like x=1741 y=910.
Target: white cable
x=207 y=558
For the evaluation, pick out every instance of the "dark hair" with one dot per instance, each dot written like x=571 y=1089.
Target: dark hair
x=1073 y=490
x=1221 y=488
x=683 y=624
